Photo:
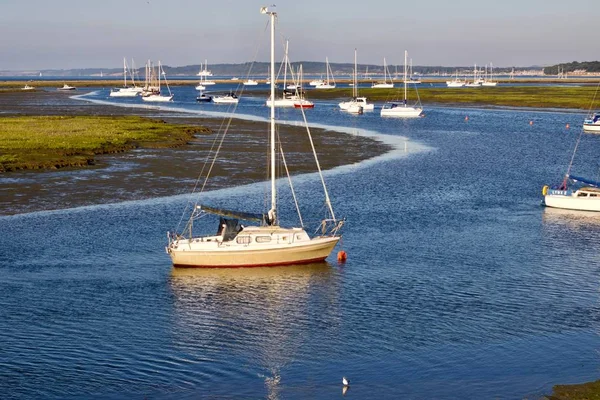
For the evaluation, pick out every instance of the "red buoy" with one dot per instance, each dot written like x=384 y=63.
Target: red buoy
x=341 y=256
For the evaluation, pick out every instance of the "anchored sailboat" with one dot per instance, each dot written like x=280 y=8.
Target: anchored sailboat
x=402 y=109
x=575 y=192
x=384 y=83
x=358 y=104
x=329 y=82
x=155 y=95
x=126 y=91
x=264 y=244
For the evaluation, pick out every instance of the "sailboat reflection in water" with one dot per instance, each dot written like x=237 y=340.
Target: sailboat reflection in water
x=266 y=243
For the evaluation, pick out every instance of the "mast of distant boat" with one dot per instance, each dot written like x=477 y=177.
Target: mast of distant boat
x=405 y=84
x=355 y=80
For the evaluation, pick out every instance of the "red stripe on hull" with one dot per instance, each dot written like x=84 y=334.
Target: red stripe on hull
x=304 y=106
x=313 y=260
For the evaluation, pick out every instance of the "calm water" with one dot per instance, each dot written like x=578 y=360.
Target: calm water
x=458 y=283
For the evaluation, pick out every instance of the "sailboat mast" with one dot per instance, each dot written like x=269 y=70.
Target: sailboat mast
x=124 y=73
x=355 y=89
x=405 y=92
x=286 y=61
x=270 y=11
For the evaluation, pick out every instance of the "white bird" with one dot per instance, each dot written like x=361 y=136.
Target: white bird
x=345 y=381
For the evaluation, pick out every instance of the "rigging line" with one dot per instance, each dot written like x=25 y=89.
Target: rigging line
x=227 y=123
x=594 y=98
x=291 y=185
x=574 y=152
x=312 y=145
x=582 y=131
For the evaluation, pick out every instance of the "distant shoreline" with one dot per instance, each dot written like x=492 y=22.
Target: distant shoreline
x=549 y=93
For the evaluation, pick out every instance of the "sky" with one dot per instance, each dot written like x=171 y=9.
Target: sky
x=66 y=34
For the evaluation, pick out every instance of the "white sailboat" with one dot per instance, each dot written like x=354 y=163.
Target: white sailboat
x=125 y=91
x=289 y=97
x=357 y=104
x=384 y=83
x=477 y=81
x=267 y=244
x=575 y=192
x=402 y=109
x=156 y=96
x=411 y=75
x=329 y=82
x=592 y=123
x=201 y=86
x=204 y=72
x=300 y=100
x=456 y=82
x=489 y=78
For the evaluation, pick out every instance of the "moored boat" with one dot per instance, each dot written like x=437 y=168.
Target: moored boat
x=357 y=104
x=585 y=198
x=230 y=98
x=402 y=108
x=267 y=244
x=592 y=123
x=66 y=87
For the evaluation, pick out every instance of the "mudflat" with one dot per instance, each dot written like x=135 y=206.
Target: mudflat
x=143 y=173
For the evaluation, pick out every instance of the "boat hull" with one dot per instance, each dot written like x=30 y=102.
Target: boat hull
x=325 y=86
x=591 y=127
x=222 y=100
x=382 y=85
x=123 y=93
x=401 y=111
x=157 y=98
x=582 y=200
x=234 y=255
x=282 y=102
x=572 y=203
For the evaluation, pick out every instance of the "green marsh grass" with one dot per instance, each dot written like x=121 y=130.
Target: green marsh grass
x=36 y=142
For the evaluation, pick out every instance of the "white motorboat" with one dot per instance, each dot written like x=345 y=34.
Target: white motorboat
x=250 y=82
x=265 y=243
x=27 y=87
x=66 y=87
x=401 y=108
x=230 y=98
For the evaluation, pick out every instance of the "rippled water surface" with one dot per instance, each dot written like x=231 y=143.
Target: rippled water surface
x=458 y=283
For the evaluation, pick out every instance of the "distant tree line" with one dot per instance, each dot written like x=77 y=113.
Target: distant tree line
x=242 y=70
x=588 y=66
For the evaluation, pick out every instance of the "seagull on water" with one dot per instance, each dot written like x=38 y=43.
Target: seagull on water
x=345 y=381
